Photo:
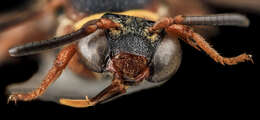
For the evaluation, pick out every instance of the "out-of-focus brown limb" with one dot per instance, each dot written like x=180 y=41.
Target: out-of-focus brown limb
x=247 y=5
x=195 y=7
x=41 y=28
x=13 y=17
x=60 y=63
x=40 y=24
x=70 y=12
x=34 y=11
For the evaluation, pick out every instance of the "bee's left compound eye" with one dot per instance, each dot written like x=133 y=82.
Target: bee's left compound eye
x=166 y=60
x=94 y=50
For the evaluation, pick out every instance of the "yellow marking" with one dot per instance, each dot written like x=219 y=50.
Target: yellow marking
x=128 y=21
x=80 y=23
x=137 y=13
x=115 y=32
x=77 y=103
x=153 y=38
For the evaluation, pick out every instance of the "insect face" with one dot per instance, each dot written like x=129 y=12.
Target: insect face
x=133 y=49
x=130 y=50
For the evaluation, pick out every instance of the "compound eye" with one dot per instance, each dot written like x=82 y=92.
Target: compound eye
x=166 y=60
x=93 y=50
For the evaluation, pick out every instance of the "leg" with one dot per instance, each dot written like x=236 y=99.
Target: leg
x=165 y=22
x=75 y=63
x=188 y=35
x=191 y=43
x=60 y=63
x=116 y=88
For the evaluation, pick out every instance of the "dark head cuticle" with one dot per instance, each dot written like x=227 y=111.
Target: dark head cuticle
x=133 y=36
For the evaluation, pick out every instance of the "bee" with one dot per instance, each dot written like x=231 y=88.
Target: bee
x=135 y=46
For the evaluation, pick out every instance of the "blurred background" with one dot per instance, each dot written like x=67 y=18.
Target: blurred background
x=200 y=85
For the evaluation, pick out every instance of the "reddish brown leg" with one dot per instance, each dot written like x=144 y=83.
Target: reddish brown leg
x=187 y=34
x=123 y=64
x=165 y=22
x=191 y=43
x=173 y=26
x=116 y=88
x=60 y=63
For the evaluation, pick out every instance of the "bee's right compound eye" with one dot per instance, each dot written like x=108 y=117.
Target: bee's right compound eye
x=166 y=60
x=93 y=50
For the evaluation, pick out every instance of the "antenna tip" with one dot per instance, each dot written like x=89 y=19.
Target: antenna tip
x=13 y=51
x=243 y=21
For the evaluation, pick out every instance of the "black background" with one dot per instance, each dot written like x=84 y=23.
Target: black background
x=200 y=85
